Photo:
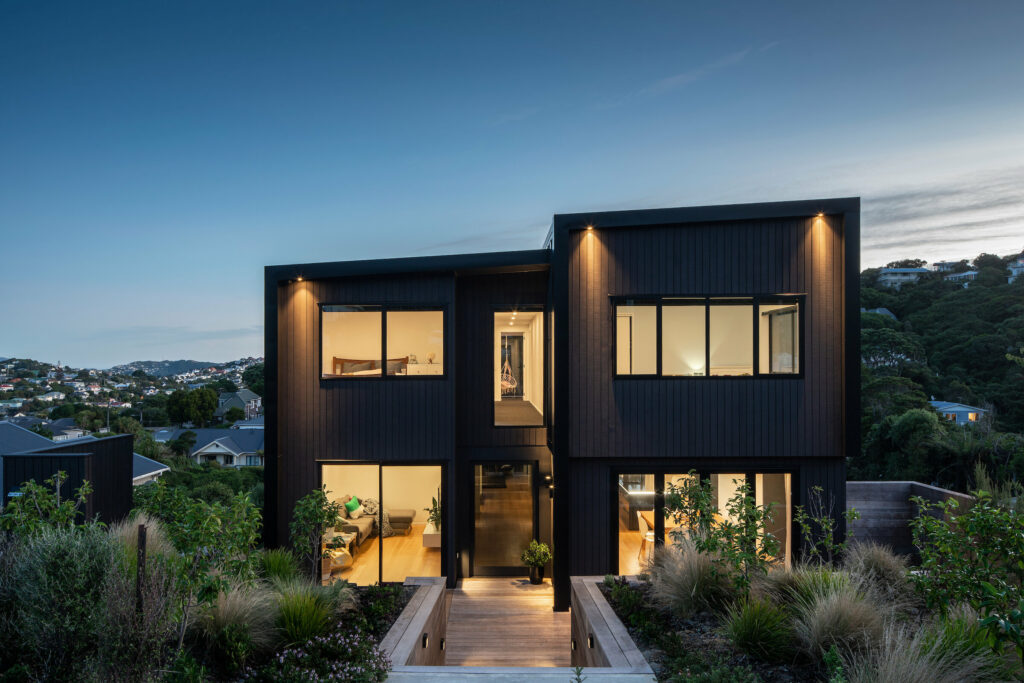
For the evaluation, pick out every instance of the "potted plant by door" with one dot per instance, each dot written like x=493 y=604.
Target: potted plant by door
x=432 y=532
x=535 y=557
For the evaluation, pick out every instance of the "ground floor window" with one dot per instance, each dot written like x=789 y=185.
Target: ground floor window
x=391 y=521
x=641 y=511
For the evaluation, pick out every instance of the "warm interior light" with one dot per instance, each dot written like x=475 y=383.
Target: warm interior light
x=590 y=227
x=820 y=214
x=299 y=278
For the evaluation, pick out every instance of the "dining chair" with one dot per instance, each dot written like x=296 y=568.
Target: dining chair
x=646 y=534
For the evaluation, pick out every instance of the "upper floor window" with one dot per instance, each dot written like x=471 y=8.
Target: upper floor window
x=708 y=336
x=374 y=341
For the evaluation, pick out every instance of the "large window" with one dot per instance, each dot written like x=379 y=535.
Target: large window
x=708 y=336
x=373 y=341
x=636 y=339
x=387 y=531
x=518 y=368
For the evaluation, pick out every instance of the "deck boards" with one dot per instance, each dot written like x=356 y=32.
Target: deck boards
x=506 y=622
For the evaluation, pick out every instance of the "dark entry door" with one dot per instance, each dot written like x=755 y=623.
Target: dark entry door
x=504 y=517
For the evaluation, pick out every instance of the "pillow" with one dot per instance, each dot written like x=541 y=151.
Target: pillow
x=355 y=366
x=352 y=504
x=369 y=506
x=357 y=513
x=341 y=502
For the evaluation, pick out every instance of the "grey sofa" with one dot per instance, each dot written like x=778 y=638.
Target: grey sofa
x=364 y=527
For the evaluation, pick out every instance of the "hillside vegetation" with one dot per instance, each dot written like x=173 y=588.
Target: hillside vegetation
x=949 y=343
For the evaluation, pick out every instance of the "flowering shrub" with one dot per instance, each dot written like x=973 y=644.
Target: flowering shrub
x=337 y=656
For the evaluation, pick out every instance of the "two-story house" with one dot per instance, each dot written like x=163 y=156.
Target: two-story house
x=554 y=394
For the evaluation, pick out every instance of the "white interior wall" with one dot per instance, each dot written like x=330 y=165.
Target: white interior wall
x=416 y=333
x=644 y=346
x=732 y=340
x=354 y=335
x=682 y=340
x=531 y=325
x=351 y=480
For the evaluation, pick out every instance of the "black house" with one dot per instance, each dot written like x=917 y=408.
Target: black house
x=551 y=394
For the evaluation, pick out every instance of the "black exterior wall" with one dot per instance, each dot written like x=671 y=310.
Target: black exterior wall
x=595 y=424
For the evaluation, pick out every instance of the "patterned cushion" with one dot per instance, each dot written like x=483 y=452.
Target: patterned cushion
x=370 y=506
x=385 y=525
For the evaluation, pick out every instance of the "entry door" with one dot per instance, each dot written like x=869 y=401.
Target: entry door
x=504 y=517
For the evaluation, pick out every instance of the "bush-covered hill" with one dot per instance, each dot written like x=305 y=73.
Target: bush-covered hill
x=951 y=343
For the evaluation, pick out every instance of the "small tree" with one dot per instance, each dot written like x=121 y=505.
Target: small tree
x=818 y=528
x=739 y=543
x=313 y=515
x=39 y=507
x=234 y=414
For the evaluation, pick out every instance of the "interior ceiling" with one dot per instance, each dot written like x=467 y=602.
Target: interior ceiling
x=507 y=323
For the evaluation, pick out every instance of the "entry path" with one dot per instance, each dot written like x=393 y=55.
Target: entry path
x=506 y=622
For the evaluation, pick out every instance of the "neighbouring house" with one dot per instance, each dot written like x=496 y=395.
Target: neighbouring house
x=945 y=266
x=106 y=463
x=65 y=429
x=1016 y=269
x=897 y=277
x=958 y=412
x=554 y=394
x=145 y=470
x=12 y=404
x=245 y=400
x=254 y=423
x=227 y=447
x=51 y=396
x=964 y=278
x=6 y=387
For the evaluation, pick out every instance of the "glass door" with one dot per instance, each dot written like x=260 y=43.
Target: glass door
x=504 y=517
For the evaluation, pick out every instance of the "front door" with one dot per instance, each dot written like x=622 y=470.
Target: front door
x=504 y=517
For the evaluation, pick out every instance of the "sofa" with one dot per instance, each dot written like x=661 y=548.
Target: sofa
x=397 y=521
x=364 y=526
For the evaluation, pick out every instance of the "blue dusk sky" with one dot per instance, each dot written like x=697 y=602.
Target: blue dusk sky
x=154 y=156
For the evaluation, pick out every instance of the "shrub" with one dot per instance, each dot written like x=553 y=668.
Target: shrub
x=347 y=657
x=278 y=564
x=819 y=532
x=53 y=596
x=760 y=628
x=306 y=611
x=126 y=534
x=213 y=492
x=879 y=567
x=312 y=516
x=835 y=613
x=237 y=624
x=929 y=656
x=685 y=581
x=37 y=507
x=377 y=605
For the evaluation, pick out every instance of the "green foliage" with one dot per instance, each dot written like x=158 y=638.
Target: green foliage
x=52 y=596
x=312 y=516
x=536 y=554
x=215 y=542
x=434 y=514
x=237 y=625
x=305 y=611
x=879 y=567
x=377 y=607
x=342 y=656
x=183 y=444
x=40 y=507
x=834 y=666
x=253 y=378
x=222 y=386
x=234 y=414
x=685 y=580
x=890 y=349
x=740 y=544
x=819 y=528
x=839 y=615
x=761 y=629
x=278 y=564
x=195 y=406
x=213 y=492
x=963 y=548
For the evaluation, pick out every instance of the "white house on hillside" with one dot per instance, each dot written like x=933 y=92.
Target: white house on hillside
x=897 y=277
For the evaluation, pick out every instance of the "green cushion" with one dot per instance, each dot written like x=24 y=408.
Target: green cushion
x=352 y=504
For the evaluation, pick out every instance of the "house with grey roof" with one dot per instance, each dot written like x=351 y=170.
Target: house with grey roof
x=248 y=401
x=959 y=413
x=227 y=447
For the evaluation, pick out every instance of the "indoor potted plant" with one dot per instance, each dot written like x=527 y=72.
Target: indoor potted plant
x=535 y=557
x=432 y=533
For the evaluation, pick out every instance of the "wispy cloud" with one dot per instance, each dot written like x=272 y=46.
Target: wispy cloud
x=686 y=77
x=513 y=237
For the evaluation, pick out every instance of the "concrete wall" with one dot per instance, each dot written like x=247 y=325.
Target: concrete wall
x=886 y=510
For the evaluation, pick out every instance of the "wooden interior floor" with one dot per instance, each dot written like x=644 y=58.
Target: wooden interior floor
x=506 y=622
x=404 y=556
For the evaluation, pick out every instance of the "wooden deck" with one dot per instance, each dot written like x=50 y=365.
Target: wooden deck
x=498 y=622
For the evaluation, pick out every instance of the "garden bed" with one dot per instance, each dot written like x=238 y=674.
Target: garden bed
x=692 y=647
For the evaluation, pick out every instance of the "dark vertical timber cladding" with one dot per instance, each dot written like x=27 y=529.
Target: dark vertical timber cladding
x=387 y=420
x=271 y=294
x=477 y=297
x=708 y=417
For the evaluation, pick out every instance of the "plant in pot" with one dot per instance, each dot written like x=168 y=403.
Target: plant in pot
x=535 y=557
x=434 y=512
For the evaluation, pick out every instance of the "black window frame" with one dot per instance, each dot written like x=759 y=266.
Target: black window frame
x=707 y=300
x=384 y=309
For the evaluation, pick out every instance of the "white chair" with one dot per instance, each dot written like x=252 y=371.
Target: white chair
x=646 y=535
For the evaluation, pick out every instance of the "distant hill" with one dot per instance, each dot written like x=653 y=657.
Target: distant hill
x=163 y=368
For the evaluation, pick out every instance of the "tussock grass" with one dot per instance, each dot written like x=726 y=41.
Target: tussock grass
x=278 y=564
x=830 y=609
x=685 y=581
x=879 y=567
x=126 y=534
x=248 y=608
x=760 y=628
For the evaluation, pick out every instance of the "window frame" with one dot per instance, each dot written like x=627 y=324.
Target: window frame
x=529 y=308
x=707 y=300
x=384 y=309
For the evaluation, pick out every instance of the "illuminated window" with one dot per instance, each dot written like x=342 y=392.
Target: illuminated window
x=415 y=343
x=779 y=339
x=351 y=341
x=731 y=339
x=636 y=339
x=682 y=340
x=972 y=417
